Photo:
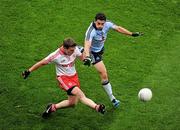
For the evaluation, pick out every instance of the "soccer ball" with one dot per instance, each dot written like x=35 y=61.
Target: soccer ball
x=145 y=94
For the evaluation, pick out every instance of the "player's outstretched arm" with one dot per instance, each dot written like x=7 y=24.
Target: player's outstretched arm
x=27 y=72
x=127 y=32
x=122 y=30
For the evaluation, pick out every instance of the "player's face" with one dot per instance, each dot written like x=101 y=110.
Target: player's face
x=69 y=51
x=99 y=24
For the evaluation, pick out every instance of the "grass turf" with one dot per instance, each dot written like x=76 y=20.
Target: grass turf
x=30 y=30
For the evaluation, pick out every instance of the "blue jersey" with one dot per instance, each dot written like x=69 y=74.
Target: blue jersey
x=98 y=37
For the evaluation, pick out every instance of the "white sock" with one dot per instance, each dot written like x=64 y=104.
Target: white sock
x=107 y=87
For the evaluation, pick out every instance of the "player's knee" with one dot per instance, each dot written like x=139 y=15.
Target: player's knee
x=81 y=96
x=104 y=76
x=105 y=82
x=79 y=93
x=75 y=91
x=82 y=99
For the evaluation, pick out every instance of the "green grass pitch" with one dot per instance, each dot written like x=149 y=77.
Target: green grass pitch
x=31 y=29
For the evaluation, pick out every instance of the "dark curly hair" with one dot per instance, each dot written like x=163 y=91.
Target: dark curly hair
x=100 y=16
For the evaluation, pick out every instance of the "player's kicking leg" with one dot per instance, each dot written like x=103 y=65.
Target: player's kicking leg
x=71 y=102
x=98 y=107
x=73 y=96
x=100 y=67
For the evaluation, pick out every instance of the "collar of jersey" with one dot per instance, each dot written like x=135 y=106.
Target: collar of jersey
x=61 y=51
x=94 y=25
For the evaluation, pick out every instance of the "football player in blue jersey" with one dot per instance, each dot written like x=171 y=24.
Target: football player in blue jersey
x=95 y=37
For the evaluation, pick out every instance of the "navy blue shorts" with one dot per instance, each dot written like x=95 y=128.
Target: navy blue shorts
x=97 y=56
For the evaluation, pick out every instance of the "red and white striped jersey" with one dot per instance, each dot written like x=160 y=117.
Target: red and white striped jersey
x=65 y=65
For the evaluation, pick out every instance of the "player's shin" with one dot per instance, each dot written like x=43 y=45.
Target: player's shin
x=108 y=89
x=65 y=104
x=87 y=102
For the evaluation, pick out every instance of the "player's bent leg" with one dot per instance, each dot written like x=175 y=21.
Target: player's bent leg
x=100 y=67
x=76 y=91
x=107 y=87
x=71 y=102
x=100 y=108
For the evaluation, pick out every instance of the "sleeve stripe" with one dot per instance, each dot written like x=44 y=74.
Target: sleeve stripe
x=89 y=32
x=53 y=57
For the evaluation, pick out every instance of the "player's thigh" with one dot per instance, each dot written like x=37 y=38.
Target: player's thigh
x=100 y=67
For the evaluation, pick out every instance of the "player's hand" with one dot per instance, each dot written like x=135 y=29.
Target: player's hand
x=87 y=61
x=136 y=34
x=25 y=74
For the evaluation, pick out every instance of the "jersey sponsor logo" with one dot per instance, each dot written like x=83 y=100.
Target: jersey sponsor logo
x=100 y=36
x=68 y=65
